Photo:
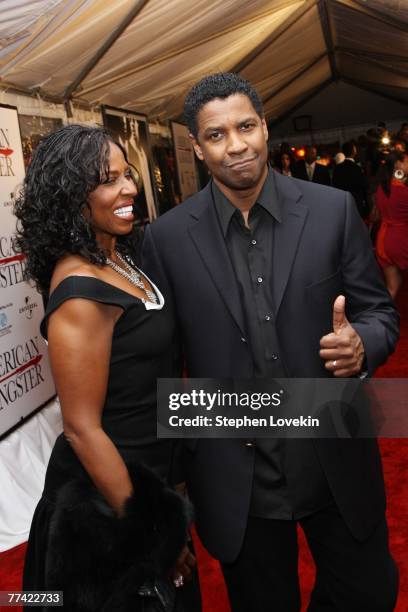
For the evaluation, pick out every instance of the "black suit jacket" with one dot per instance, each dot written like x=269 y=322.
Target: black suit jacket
x=321 y=174
x=349 y=177
x=321 y=249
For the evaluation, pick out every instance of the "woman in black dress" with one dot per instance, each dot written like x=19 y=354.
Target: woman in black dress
x=106 y=531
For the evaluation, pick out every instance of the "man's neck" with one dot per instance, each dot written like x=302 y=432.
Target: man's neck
x=243 y=199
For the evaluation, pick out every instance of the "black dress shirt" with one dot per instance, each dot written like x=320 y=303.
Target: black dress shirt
x=288 y=480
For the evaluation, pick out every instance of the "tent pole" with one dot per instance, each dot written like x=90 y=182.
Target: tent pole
x=294 y=78
x=133 y=13
x=326 y=24
x=274 y=36
x=304 y=100
x=10 y=87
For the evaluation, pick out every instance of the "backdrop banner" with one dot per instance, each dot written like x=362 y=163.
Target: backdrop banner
x=25 y=376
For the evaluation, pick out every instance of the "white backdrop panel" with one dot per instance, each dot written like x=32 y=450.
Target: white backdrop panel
x=24 y=456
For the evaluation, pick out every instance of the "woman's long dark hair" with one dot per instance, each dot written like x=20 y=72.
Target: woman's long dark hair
x=279 y=164
x=386 y=170
x=66 y=167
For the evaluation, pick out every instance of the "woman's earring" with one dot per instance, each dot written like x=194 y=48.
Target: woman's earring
x=399 y=174
x=74 y=237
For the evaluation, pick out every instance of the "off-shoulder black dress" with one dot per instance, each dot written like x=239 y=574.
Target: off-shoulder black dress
x=69 y=542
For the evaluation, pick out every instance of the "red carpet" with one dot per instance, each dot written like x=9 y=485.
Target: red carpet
x=395 y=456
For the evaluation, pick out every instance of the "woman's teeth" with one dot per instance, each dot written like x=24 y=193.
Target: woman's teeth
x=124 y=211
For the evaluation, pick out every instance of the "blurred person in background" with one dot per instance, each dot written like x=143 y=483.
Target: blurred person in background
x=349 y=177
x=399 y=145
x=373 y=156
x=308 y=169
x=339 y=158
x=403 y=134
x=285 y=164
x=361 y=145
x=392 y=209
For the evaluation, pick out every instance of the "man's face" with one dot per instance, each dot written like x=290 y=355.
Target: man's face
x=232 y=141
x=311 y=155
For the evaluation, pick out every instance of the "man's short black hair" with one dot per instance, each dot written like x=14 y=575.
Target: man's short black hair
x=348 y=148
x=220 y=85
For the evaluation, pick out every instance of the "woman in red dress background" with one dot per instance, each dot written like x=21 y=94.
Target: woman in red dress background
x=392 y=205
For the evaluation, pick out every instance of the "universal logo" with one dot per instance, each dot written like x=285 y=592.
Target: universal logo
x=5 y=328
x=9 y=203
x=28 y=308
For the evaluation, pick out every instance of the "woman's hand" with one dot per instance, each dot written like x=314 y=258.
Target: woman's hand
x=184 y=567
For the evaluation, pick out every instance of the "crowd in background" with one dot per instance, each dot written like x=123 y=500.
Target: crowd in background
x=374 y=169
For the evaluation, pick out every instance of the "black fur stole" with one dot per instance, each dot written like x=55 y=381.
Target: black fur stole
x=99 y=560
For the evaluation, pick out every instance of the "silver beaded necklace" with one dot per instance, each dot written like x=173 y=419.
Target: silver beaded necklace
x=132 y=275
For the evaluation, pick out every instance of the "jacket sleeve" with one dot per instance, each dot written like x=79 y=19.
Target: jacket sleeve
x=369 y=306
x=152 y=263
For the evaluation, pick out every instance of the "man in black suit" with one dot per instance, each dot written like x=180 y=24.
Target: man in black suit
x=349 y=177
x=308 y=169
x=269 y=276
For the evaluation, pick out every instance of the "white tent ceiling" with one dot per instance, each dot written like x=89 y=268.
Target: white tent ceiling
x=144 y=55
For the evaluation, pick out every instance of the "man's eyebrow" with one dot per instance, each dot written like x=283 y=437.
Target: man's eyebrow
x=247 y=119
x=219 y=128
x=213 y=128
x=114 y=171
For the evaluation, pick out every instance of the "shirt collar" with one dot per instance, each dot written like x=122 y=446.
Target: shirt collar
x=267 y=199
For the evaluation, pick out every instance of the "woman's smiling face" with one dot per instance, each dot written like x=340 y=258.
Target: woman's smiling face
x=111 y=203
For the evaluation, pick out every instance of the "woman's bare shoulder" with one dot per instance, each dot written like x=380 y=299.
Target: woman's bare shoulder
x=73 y=265
x=87 y=313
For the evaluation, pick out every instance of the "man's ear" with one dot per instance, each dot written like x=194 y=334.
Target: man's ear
x=265 y=129
x=196 y=147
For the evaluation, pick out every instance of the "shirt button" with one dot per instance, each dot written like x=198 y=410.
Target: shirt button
x=243 y=339
x=253 y=242
x=267 y=318
x=275 y=356
x=259 y=279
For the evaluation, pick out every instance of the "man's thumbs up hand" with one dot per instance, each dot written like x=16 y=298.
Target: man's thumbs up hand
x=342 y=350
x=339 y=314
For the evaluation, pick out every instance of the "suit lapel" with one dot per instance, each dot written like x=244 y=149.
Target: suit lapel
x=206 y=234
x=286 y=235
x=205 y=231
